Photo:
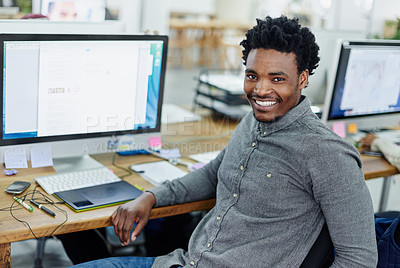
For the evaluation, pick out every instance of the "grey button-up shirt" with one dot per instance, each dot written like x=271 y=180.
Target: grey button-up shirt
x=276 y=184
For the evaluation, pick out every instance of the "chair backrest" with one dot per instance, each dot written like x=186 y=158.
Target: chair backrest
x=321 y=253
x=387 y=227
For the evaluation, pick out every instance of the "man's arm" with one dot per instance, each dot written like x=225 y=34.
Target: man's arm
x=197 y=185
x=390 y=150
x=340 y=189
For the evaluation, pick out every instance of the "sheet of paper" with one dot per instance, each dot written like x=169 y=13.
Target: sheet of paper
x=205 y=157
x=15 y=158
x=170 y=153
x=41 y=156
x=158 y=172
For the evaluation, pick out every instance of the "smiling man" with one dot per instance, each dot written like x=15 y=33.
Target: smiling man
x=272 y=83
x=282 y=177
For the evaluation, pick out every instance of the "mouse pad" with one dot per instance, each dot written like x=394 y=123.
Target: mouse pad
x=99 y=195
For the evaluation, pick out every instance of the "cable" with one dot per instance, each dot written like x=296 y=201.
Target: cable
x=8 y=208
x=129 y=172
x=44 y=200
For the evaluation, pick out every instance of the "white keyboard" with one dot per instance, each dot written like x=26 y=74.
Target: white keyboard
x=75 y=180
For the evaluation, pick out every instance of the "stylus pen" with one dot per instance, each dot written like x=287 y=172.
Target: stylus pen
x=48 y=211
x=25 y=205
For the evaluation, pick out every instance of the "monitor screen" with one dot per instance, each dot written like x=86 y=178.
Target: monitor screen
x=67 y=87
x=367 y=82
x=74 y=10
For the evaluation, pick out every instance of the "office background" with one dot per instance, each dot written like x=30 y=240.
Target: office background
x=188 y=23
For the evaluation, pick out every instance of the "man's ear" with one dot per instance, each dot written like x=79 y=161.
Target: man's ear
x=303 y=79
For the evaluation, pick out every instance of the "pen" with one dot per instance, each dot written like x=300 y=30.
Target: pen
x=40 y=206
x=25 y=205
x=139 y=187
x=371 y=153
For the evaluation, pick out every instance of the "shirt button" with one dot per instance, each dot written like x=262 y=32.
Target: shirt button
x=241 y=167
x=269 y=175
x=235 y=195
x=192 y=263
x=253 y=144
x=218 y=218
x=265 y=133
x=209 y=245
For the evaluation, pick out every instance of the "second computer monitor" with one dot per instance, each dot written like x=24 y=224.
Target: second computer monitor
x=366 y=88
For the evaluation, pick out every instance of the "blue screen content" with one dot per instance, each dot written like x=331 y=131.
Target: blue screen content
x=58 y=88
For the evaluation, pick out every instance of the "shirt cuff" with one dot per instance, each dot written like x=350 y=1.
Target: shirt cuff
x=375 y=145
x=162 y=195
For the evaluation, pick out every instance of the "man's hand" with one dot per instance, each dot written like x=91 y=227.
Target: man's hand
x=137 y=211
x=367 y=141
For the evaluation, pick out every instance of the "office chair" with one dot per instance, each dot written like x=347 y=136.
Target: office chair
x=136 y=248
x=321 y=253
x=41 y=241
x=387 y=229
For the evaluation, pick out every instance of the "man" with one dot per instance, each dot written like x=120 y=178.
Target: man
x=282 y=176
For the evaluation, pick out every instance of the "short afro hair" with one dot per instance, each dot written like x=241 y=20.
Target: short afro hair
x=284 y=35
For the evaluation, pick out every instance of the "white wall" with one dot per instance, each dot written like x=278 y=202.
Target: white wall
x=155 y=16
x=193 y=6
x=236 y=10
x=349 y=16
x=384 y=10
x=130 y=13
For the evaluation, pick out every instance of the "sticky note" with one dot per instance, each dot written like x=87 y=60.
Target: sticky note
x=15 y=158
x=198 y=165
x=155 y=143
x=339 y=128
x=352 y=128
x=41 y=156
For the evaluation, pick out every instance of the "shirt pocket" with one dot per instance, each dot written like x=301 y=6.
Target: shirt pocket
x=264 y=190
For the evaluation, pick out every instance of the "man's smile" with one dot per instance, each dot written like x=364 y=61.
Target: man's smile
x=266 y=103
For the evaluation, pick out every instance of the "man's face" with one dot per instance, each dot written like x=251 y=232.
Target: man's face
x=272 y=83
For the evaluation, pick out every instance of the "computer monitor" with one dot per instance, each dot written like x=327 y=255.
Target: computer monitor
x=366 y=87
x=79 y=93
x=74 y=10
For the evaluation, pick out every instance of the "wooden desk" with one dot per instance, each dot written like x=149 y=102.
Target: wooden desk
x=377 y=167
x=191 y=137
x=195 y=137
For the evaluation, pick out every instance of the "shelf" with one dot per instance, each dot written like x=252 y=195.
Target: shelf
x=222 y=93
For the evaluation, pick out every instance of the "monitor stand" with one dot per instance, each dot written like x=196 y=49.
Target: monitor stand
x=75 y=163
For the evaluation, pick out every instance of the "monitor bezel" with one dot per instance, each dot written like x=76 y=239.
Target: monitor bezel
x=326 y=116
x=83 y=37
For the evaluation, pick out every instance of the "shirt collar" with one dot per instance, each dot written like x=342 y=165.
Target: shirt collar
x=291 y=116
